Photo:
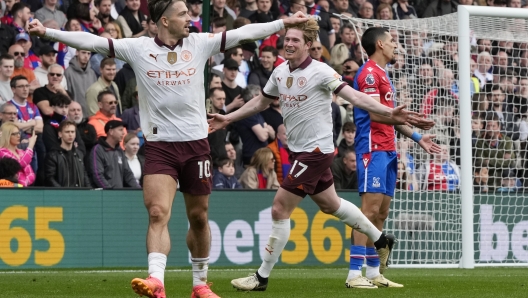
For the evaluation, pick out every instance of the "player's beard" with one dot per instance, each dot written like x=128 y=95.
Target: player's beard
x=393 y=60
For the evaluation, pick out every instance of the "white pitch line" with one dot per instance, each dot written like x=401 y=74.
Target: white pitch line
x=141 y=271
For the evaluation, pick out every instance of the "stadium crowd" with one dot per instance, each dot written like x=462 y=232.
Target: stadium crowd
x=70 y=118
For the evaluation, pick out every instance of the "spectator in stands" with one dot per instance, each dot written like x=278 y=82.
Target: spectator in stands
x=28 y=113
x=48 y=58
x=85 y=130
x=49 y=11
x=31 y=61
x=59 y=103
x=43 y=95
x=21 y=14
x=152 y=28
x=484 y=62
x=64 y=165
x=225 y=176
x=108 y=166
x=219 y=10
x=514 y=3
x=9 y=140
x=336 y=25
x=342 y=6
x=327 y=35
x=195 y=12
x=273 y=115
x=403 y=10
x=344 y=171
x=444 y=89
x=7 y=66
x=402 y=180
x=132 y=20
x=114 y=30
x=8 y=113
x=105 y=82
x=501 y=61
x=504 y=111
x=216 y=81
x=280 y=150
x=18 y=53
x=495 y=148
x=480 y=176
x=260 y=76
x=254 y=132
x=131 y=116
x=236 y=54
x=384 y=12
x=8 y=37
x=107 y=103
x=339 y=54
x=232 y=154
x=230 y=86
x=509 y=182
x=260 y=173
x=441 y=173
x=96 y=59
x=347 y=143
x=349 y=70
x=104 y=7
x=438 y=8
x=86 y=16
x=9 y=169
x=135 y=162
x=316 y=52
x=217 y=139
x=249 y=9
x=366 y=10
x=348 y=37
x=263 y=13
x=476 y=128
x=80 y=76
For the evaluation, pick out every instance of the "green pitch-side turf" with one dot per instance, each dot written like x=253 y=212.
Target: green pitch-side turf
x=294 y=282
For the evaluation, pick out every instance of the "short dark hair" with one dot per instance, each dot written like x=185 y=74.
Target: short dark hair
x=17 y=7
x=6 y=57
x=219 y=22
x=232 y=51
x=224 y=161
x=271 y=49
x=212 y=91
x=240 y=22
x=346 y=25
x=9 y=167
x=348 y=151
x=107 y=61
x=349 y=126
x=157 y=8
x=15 y=79
x=59 y=100
x=102 y=94
x=66 y=123
x=370 y=38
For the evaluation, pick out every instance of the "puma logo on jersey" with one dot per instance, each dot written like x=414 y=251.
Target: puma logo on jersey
x=279 y=79
x=154 y=56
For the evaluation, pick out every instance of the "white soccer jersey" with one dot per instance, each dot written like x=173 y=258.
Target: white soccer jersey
x=170 y=84
x=305 y=96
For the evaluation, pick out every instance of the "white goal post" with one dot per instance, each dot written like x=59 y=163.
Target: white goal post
x=458 y=228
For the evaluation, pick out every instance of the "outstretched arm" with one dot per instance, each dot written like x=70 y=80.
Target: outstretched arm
x=425 y=141
x=364 y=101
x=79 y=40
x=254 y=32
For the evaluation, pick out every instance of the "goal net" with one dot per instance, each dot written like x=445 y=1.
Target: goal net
x=426 y=212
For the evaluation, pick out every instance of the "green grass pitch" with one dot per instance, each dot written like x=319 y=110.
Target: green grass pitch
x=284 y=282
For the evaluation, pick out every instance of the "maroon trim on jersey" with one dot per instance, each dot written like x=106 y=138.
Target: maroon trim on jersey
x=111 y=48
x=338 y=89
x=161 y=44
x=223 y=42
x=302 y=65
x=269 y=96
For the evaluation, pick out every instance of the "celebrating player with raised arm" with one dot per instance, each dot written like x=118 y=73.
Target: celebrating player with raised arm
x=377 y=166
x=169 y=72
x=304 y=88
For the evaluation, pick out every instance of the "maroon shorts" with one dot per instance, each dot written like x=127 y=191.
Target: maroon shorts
x=309 y=174
x=189 y=163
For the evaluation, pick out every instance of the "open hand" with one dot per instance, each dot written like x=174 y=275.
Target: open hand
x=428 y=145
x=403 y=116
x=36 y=28
x=217 y=122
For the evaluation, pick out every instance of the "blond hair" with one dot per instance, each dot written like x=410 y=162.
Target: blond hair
x=310 y=29
x=260 y=160
x=6 y=129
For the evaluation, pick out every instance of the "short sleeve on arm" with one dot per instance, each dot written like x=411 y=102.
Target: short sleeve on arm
x=331 y=80
x=212 y=43
x=125 y=48
x=271 y=90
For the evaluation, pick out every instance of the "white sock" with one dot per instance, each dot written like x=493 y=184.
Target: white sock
x=372 y=272
x=280 y=232
x=353 y=217
x=156 y=265
x=353 y=273
x=199 y=269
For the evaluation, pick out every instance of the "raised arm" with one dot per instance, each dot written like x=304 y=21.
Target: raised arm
x=79 y=40
x=254 y=32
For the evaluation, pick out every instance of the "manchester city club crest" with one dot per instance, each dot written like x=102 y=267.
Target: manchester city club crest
x=370 y=79
x=289 y=82
x=172 y=57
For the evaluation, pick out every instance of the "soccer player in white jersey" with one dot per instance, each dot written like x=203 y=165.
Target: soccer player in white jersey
x=304 y=88
x=169 y=72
